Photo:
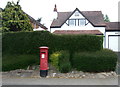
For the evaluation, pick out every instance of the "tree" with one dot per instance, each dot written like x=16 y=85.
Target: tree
x=106 y=18
x=14 y=19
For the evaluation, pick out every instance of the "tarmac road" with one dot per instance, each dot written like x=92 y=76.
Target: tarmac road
x=59 y=81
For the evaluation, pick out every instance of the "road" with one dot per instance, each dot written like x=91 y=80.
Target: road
x=59 y=81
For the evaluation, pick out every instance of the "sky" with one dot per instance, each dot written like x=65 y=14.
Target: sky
x=44 y=8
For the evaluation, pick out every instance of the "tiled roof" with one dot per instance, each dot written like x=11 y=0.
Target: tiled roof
x=93 y=32
x=94 y=17
x=62 y=17
x=36 y=22
x=113 y=26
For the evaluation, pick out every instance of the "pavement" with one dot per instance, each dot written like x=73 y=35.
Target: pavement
x=59 y=81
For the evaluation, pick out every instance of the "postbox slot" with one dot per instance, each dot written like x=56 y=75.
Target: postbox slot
x=42 y=52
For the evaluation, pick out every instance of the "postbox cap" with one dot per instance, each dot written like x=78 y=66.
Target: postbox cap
x=44 y=47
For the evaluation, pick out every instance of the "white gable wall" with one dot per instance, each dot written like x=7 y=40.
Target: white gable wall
x=75 y=17
x=112 y=39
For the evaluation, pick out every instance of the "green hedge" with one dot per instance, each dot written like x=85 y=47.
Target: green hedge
x=104 y=60
x=64 y=62
x=12 y=62
x=61 y=61
x=28 y=42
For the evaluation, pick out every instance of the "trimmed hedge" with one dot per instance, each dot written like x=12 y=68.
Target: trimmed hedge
x=64 y=62
x=61 y=61
x=28 y=42
x=12 y=62
x=104 y=60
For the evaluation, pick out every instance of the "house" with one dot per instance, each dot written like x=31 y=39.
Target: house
x=112 y=36
x=37 y=26
x=84 y=22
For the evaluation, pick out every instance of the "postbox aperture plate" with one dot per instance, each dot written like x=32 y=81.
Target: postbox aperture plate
x=43 y=56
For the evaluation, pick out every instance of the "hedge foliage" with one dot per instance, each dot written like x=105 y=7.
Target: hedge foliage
x=12 y=62
x=104 y=60
x=61 y=61
x=29 y=42
x=99 y=61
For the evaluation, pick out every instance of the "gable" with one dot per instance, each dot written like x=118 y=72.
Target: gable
x=77 y=19
x=76 y=15
x=94 y=17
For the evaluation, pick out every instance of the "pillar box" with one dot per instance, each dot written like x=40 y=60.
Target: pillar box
x=43 y=61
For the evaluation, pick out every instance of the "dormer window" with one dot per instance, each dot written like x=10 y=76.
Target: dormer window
x=77 y=22
x=82 y=22
x=72 y=22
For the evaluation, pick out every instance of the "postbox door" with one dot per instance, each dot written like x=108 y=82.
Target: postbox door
x=43 y=61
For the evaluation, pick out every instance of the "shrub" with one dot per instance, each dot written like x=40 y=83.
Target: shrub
x=65 y=67
x=104 y=60
x=61 y=61
x=64 y=62
x=54 y=59
x=12 y=62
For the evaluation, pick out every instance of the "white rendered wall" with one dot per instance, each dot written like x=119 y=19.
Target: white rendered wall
x=115 y=33
x=38 y=29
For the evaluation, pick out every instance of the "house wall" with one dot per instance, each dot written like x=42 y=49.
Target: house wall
x=39 y=29
x=112 y=40
x=34 y=26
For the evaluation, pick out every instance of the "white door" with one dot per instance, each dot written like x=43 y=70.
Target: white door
x=114 y=42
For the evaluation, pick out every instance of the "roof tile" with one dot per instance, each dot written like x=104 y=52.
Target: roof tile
x=112 y=26
x=94 y=17
x=93 y=32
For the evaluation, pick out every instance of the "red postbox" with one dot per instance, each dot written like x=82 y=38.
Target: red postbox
x=43 y=61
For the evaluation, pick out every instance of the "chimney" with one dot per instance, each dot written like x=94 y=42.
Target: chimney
x=55 y=9
x=55 y=15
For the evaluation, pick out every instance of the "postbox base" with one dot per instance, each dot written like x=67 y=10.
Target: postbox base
x=43 y=73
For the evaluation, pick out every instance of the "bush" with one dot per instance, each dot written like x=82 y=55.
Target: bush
x=104 y=60
x=54 y=59
x=61 y=61
x=65 y=67
x=12 y=62
x=64 y=62
x=28 y=42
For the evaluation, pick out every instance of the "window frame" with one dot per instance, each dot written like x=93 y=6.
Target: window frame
x=77 y=22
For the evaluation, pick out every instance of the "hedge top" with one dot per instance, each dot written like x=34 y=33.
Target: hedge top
x=29 y=42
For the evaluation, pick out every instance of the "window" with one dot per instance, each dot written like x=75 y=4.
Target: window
x=77 y=22
x=82 y=22
x=71 y=22
x=76 y=13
